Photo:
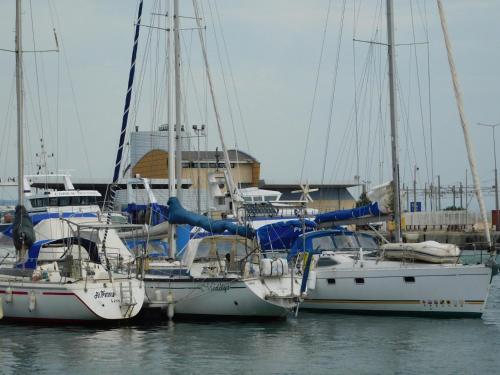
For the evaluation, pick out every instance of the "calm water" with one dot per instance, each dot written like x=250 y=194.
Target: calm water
x=313 y=343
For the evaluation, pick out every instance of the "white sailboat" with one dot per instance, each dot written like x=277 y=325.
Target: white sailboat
x=351 y=273
x=60 y=277
x=223 y=276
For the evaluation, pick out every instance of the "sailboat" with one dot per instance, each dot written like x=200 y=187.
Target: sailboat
x=65 y=275
x=350 y=272
x=215 y=274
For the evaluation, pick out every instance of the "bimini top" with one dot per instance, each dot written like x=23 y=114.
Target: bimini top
x=333 y=240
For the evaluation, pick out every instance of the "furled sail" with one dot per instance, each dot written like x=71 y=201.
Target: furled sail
x=23 y=234
x=355 y=213
x=179 y=215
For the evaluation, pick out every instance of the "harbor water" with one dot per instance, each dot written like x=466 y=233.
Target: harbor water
x=313 y=343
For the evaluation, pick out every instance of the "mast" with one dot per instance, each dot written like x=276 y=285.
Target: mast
x=178 y=126
x=123 y=131
x=394 y=128
x=465 y=126
x=172 y=246
x=20 y=104
x=232 y=187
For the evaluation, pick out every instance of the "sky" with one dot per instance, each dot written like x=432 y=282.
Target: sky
x=264 y=57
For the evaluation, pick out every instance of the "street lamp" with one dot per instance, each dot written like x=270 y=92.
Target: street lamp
x=415 y=169
x=199 y=130
x=493 y=126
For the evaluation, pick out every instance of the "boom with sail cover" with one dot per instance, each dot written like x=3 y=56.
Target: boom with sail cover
x=179 y=215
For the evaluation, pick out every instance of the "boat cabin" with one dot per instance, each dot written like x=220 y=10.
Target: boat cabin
x=334 y=240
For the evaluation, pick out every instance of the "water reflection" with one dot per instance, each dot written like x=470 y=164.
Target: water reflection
x=313 y=343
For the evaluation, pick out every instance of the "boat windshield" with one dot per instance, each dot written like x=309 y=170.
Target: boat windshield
x=323 y=243
x=366 y=241
x=213 y=248
x=345 y=241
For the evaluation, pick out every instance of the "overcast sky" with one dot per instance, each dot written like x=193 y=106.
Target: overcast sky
x=274 y=49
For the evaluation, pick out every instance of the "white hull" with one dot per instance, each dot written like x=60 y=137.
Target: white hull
x=450 y=290
x=70 y=302
x=223 y=297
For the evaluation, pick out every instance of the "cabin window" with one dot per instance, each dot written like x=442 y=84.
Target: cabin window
x=409 y=279
x=343 y=241
x=323 y=243
x=366 y=241
x=270 y=198
x=53 y=202
x=85 y=201
x=75 y=201
x=64 y=201
x=326 y=262
x=38 y=202
x=330 y=281
x=359 y=280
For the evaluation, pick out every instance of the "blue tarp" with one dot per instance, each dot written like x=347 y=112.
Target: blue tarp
x=282 y=234
x=159 y=212
x=179 y=215
x=355 y=213
x=298 y=245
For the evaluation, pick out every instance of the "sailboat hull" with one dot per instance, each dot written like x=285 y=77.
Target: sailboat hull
x=395 y=288
x=223 y=297
x=70 y=302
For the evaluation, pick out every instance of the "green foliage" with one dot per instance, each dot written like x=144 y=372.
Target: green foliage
x=453 y=208
x=363 y=200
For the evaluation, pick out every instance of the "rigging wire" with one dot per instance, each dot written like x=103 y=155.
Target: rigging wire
x=233 y=81
x=419 y=91
x=334 y=84
x=355 y=91
x=426 y=30
x=73 y=98
x=226 y=90
x=315 y=91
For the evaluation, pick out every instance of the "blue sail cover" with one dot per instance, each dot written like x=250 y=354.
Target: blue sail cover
x=179 y=215
x=282 y=234
x=158 y=212
x=355 y=213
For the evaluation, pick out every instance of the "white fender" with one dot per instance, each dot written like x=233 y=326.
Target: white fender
x=311 y=280
x=170 y=305
x=32 y=299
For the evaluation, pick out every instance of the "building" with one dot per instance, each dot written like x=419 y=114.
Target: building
x=329 y=197
x=149 y=158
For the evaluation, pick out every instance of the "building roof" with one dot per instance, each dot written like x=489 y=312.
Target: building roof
x=211 y=156
x=295 y=185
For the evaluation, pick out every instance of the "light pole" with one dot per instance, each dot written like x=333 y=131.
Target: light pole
x=493 y=126
x=415 y=169
x=199 y=129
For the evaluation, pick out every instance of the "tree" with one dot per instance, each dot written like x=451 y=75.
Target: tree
x=363 y=200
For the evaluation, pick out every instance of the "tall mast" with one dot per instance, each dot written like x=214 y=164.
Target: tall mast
x=171 y=139
x=394 y=128
x=232 y=187
x=178 y=135
x=465 y=125
x=19 y=96
x=123 y=131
